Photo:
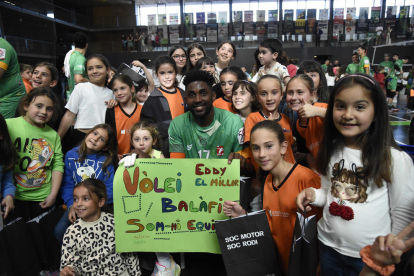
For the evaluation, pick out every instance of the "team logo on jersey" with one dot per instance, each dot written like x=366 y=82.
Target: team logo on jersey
x=220 y=150
x=189 y=147
x=2 y=53
x=240 y=136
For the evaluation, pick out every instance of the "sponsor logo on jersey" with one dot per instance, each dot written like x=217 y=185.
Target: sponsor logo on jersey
x=240 y=136
x=278 y=214
x=220 y=150
x=189 y=147
x=286 y=130
x=2 y=53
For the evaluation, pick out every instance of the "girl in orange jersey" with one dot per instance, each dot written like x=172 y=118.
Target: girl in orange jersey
x=269 y=95
x=300 y=98
x=284 y=181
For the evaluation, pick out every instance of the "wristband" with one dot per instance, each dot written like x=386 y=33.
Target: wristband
x=364 y=253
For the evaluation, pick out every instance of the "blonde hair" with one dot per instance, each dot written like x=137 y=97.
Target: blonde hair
x=144 y=125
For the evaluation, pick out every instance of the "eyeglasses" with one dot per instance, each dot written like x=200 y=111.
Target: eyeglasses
x=179 y=57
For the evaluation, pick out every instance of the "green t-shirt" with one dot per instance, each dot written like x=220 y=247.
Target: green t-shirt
x=39 y=154
x=11 y=84
x=364 y=62
x=352 y=68
x=77 y=67
x=217 y=141
x=387 y=66
x=324 y=67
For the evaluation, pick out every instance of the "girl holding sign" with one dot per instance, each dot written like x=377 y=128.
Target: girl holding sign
x=284 y=182
x=83 y=252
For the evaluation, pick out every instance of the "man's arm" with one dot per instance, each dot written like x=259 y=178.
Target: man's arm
x=2 y=71
x=79 y=79
x=367 y=70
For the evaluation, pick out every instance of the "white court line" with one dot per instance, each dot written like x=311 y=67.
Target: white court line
x=399 y=118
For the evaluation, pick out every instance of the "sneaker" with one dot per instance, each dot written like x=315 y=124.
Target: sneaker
x=31 y=180
x=175 y=269
x=394 y=110
x=411 y=111
x=40 y=154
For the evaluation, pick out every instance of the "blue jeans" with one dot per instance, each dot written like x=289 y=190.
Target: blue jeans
x=61 y=227
x=334 y=263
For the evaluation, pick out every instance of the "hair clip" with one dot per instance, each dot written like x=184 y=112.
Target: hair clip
x=355 y=75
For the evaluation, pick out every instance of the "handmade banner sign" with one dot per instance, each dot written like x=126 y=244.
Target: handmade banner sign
x=172 y=203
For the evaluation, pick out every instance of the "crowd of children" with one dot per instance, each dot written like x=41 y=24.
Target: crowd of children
x=353 y=175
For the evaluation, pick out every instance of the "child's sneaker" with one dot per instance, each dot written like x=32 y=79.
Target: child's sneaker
x=40 y=154
x=174 y=270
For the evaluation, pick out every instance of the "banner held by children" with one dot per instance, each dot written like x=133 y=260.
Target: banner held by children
x=172 y=201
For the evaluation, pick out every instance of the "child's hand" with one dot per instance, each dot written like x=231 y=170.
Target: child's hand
x=48 y=202
x=138 y=64
x=8 y=204
x=307 y=111
x=111 y=103
x=232 y=209
x=304 y=198
x=67 y=271
x=72 y=215
x=273 y=116
x=388 y=250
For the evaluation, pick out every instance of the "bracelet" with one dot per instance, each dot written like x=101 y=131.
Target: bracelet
x=364 y=253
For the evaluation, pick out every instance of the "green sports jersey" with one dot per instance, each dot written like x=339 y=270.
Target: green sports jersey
x=77 y=67
x=11 y=84
x=324 y=67
x=387 y=66
x=217 y=141
x=395 y=74
x=364 y=62
x=352 y=68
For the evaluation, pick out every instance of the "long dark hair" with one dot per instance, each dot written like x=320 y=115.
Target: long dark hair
x=375 y=143
x=322 y=89
x=8 y=154
x=111 y=148
x=189 y=49
x=171 y=52
x=252 y=89
x=103 y=60
x=128 y=81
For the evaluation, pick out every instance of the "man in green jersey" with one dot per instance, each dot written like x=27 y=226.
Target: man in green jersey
x=353 y=67
x=206 y=131
x=364 y=66
x=77 y=61
x=388 y=65
x=11 y=84
x=325 y=66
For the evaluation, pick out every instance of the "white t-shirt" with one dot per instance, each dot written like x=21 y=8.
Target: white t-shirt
x=330 y=80
x=88 y=102
x=377 y=211
x=379 y=30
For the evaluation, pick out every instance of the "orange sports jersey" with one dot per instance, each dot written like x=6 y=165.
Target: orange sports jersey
x=223 y=104
x=175 y=102
x=284 y=122
x=28 y=85
x=280 y=206
x=312 y=132
x=124 y=123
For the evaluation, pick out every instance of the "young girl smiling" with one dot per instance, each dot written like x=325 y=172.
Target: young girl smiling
x=155 y=111
x=88 y=101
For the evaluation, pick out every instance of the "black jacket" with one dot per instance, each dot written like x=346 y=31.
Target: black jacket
x=157 y=111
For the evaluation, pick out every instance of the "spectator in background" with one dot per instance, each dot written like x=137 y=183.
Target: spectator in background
x=388 y=39
x=11 y=84
x=137 y=38
x=131 y=42
x=292 y=67
x=77 y=61
x=26 y=71
x=379 y=31
x=124 y=43
x=325 y=65
x=157 y=40
x=245 y=72
x=318 y=33
x=241 y=38
x=144 y=42
x=152 y=41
